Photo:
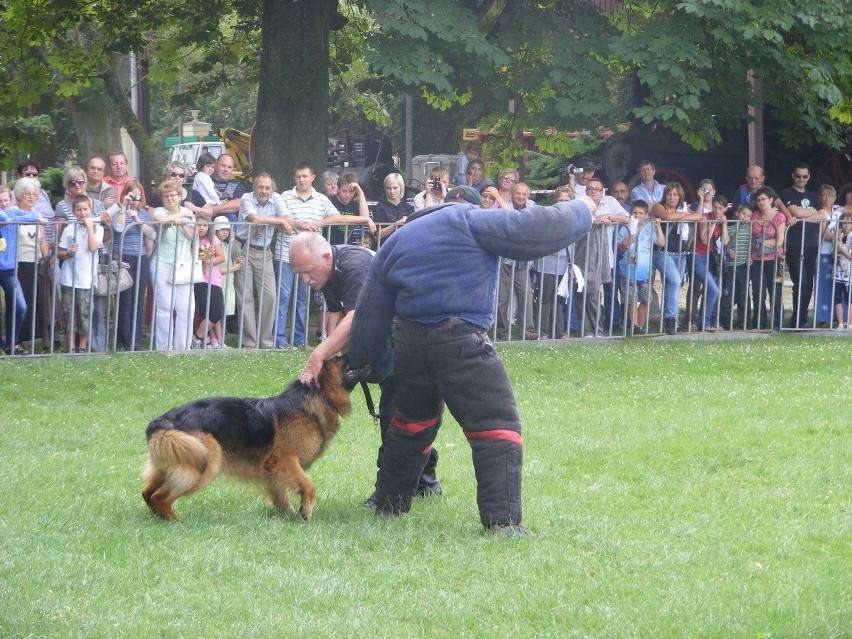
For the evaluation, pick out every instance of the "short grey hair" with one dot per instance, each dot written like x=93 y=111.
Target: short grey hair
x=26 y=184
x=313 y=243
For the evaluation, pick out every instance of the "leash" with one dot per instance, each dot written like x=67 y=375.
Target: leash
x=371 y=407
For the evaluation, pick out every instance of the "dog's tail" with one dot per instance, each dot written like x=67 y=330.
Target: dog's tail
x=178 y=464
x=158 y=424
x=174 y=448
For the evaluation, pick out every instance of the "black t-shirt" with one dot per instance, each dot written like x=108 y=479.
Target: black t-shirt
x=802 y=232
x=230 y=190
x=349 y=270
x=386 y=213
x=337 y=233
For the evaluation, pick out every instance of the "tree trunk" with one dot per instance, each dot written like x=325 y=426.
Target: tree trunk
x=149 y=154
x=97 y=123
x=292 y=102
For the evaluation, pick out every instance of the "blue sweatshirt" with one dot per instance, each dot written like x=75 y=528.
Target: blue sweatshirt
x=445 y=265
x=8 y=258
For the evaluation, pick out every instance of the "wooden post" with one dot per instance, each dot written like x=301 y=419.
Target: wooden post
x=755 y=125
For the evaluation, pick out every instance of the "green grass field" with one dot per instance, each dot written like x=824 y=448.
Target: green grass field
x=676 y=489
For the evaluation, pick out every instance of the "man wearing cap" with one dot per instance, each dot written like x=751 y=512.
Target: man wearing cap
x=464 y=194
x=339 y=273
x=435 y=300
x=578 y=178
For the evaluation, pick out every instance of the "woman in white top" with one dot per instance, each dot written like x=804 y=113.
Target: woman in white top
x=174 y=304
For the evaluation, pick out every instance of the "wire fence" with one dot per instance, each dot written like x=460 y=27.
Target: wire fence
x=603 y=286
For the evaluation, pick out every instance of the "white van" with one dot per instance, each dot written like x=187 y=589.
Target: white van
x=189 y=152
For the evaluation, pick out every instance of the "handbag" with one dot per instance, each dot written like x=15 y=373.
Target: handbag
x=187 y=271
x=760 y=248
x=113 y=278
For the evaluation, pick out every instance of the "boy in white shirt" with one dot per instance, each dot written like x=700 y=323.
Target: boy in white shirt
x=78 y=249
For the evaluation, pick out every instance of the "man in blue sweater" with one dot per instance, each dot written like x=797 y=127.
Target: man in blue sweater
x=431 y=289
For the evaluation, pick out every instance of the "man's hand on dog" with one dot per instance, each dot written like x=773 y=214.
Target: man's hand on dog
x=312 y=369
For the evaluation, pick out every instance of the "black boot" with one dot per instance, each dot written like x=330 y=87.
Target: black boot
x=428 y=482
x=670 y=325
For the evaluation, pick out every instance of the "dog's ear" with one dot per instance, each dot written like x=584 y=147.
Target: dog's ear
x=352 y=376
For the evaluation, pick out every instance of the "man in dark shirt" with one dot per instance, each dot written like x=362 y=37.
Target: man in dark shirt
x=230 y=190
x=349 y=200
x=755 y=179
x=339 y=272
x=803 y=240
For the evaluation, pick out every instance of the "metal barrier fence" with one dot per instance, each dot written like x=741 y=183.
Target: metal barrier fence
x=577 y=292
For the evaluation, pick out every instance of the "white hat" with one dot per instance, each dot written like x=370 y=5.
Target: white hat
x=221 y=222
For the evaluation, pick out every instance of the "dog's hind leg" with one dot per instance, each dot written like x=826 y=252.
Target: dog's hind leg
x=155 y=481
x=179 y=464
x=277 y=491
x=284 y=471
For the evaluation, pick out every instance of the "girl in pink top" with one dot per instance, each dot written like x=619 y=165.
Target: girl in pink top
x=209 y=298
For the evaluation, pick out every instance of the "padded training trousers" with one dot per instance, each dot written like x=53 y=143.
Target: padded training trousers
x=454 y=363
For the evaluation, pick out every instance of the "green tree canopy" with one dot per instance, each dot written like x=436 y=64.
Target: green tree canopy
x=683 y=64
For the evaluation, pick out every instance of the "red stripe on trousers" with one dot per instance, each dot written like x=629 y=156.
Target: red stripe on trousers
x=427 y=450
x=414 y=427
x=508 y=435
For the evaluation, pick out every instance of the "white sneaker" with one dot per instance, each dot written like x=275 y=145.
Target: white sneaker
x=840 y=327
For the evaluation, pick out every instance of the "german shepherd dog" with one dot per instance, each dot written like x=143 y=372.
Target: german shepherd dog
x=271 y=441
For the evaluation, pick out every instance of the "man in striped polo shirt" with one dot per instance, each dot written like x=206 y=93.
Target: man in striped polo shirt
x=310 y=211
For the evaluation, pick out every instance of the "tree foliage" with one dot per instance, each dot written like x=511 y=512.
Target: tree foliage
x=682 y=64
x=692 y=58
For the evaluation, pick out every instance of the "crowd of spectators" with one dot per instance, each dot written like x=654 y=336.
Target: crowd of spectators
x=213 y=262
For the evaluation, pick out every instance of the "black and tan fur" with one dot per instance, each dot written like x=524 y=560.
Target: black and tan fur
x=271 y=441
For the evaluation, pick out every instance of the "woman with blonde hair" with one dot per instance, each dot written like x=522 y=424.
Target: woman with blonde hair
x=391 y=213
x=179 y=172
x=506 y=180
x=174 y=303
